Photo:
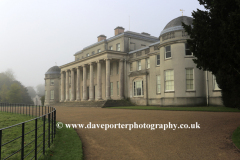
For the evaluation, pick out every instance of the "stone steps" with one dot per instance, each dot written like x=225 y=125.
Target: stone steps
x=115 y=103
x=81 y=104
x=108 y=103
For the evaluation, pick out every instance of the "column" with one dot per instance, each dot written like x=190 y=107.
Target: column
x=99 y=81
x=91 y=87
x=72 y=85
x=121 y=79
x=84 y=82
x=62 y=86
x=78 y=85
x=67 y=87
x=107 y=79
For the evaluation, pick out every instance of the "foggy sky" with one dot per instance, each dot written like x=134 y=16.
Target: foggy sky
x=37 y=34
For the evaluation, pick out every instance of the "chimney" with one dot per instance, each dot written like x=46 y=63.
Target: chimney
x=118 y=30
x=144 y=33
x=101 y=37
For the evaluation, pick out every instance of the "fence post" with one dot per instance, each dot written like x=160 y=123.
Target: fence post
x=22 y=152
x=35 y=138
x=52 y=127
x=44 y=119
x=55 y=113
x=0 y=143
x=39 y=110
x=48 y=130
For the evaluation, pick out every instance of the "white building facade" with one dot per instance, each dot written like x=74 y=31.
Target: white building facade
x=143 y=68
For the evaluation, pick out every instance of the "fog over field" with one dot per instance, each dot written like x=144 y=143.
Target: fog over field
x=36 y=35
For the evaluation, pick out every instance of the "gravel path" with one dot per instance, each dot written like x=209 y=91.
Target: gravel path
x=212 y=141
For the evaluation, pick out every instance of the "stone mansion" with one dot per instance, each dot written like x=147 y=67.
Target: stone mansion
x=145 y=69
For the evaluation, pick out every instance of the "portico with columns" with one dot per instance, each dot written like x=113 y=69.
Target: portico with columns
x=95 y=79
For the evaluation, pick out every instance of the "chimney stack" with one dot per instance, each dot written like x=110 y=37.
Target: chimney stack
x=118 y=30
x=101 y=37
x=144 y=33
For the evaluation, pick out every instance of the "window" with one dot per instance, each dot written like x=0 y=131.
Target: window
x=99 y=50
x=169 y=80
x=158 y=59
x=87 y=55
x=117 y=67
x=168 y=52
x=111 y=89
x=52 y=95
x=187 y=50
x=118 y=88
x=110 y=48
x=189 y=79
x=131 y=67
x=52 y=82
x=111 y=68
x=158 y=84
x=45 y=94
x=118 y=47
x=148 y=63
x=45 y=82
x=215 y=85
x=93 y=52
x=139 y=65
x=138 y=88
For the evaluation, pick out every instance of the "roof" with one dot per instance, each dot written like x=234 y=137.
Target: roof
x=54 y=70
x=158 y=42
x=127 y=33
x=176 y=24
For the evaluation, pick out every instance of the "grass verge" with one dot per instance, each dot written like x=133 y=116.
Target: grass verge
x=207 y=108
x=67 y=145
x=236 y=137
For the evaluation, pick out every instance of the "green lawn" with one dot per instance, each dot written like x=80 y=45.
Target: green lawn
x=209 y=109
x=57 y=148
x=8 y=119
x=236 y=137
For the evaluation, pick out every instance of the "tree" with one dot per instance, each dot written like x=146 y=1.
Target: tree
x=214 y=41
x=40 y=89
x=4 y=94
x=31 y=91
x=10 y=74
x=14 y=94
x=43 y=100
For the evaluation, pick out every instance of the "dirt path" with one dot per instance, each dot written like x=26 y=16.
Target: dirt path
x=211 y=141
